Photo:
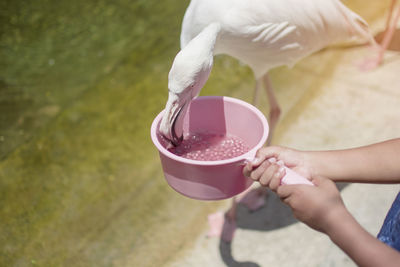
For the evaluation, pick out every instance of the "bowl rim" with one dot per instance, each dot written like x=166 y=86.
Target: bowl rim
x=249 y=155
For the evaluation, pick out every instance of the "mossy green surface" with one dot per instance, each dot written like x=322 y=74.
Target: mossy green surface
x=80 y=181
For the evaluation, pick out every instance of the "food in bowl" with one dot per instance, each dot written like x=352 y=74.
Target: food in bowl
x=208 y=146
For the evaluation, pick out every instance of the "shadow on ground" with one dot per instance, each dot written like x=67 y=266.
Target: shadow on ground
x=273 y=215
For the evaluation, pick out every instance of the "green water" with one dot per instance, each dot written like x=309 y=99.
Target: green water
x=80 y=182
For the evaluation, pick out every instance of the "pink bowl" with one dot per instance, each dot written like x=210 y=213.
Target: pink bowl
x=213 y=180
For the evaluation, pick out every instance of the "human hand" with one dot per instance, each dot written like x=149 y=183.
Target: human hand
x=267 y=168
x=320 y=207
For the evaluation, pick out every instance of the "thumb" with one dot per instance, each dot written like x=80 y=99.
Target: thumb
x=285 y=191
x=321 y=181
x=266 y=153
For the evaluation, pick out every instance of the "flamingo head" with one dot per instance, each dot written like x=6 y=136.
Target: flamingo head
x=189 y=72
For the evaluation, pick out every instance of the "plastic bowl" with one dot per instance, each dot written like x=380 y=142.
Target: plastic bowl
x=220 y=179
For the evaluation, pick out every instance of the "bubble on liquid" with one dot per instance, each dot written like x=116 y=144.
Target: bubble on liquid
x=210 y=147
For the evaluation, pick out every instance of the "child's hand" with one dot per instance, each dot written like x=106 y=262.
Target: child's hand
x=267 y=168
x=319 y=206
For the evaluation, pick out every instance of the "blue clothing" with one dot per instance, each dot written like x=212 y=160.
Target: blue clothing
x=390 y=231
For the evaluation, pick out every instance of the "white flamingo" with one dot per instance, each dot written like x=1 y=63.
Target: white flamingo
x=262 y=34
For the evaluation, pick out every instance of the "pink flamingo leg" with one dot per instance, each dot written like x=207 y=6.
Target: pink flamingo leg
x=224 y=225
x=373 y=63
x=390 y=28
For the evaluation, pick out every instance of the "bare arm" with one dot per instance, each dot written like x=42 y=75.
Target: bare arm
x=361 y=246
x=377 y=163
x=322 y=208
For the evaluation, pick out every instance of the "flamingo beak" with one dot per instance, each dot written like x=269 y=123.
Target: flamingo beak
x=176 y=131
x=171 y=126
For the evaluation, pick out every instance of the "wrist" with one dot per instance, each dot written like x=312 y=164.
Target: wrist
x=338 y=219
x=324 y=163
x=310 y=162
x=345 y=231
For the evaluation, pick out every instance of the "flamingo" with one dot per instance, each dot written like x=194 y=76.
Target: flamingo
x=263 y=34
x=391 y=22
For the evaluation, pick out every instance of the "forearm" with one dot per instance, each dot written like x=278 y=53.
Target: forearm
x=377 y=163
x=359 y=245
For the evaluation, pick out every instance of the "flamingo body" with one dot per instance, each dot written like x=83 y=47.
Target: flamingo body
x=269 y=33
x=261 y=33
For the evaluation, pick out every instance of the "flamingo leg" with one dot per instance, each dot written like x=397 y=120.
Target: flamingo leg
x=274 y=109
x=224 y=225
x=257 y=92
x=390 y=28
x=229 y=226
x=255 y=198
x=389 y=17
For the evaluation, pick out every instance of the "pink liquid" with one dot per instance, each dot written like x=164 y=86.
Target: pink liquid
x=210 y=146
